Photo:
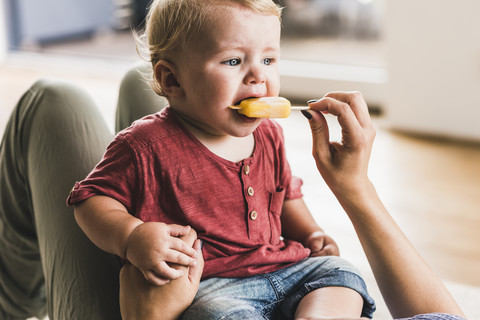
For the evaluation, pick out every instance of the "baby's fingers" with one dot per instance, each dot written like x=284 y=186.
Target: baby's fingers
x=182 y=247
x=176 y=230
x=162 y=274
x=177 y=257
x=329 y=250
x=155 y=279
x=180 y=259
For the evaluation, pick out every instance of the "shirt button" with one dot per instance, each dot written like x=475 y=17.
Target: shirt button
x=250 y=191
x=253 y=215
x=246 y=169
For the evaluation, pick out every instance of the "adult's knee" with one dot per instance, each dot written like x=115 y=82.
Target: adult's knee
x=136 y=98
x=221 y=308
x=141 y=300
x=61 y=116
x=58 y=96
x=51 y=86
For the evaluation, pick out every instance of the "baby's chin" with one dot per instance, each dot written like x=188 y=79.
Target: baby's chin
x=247 y=127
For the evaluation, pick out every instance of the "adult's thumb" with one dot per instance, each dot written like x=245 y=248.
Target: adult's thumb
x=195 y=273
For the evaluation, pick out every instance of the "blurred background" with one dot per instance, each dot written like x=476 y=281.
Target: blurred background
x=405 y=56
x=417 y=63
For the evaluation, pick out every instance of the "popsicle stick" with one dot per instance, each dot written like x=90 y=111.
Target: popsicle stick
x=299 y=108
x=293 y=108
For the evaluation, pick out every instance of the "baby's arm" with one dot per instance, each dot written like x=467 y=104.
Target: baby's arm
x=148 y=246
x=298 y=224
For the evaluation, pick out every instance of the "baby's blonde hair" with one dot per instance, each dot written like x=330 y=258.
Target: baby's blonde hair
x=170 y=23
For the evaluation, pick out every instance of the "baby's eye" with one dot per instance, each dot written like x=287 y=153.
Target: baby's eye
x=232 y=62
x=267 y=61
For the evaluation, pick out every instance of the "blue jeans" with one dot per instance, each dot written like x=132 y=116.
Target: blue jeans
x=274 y=295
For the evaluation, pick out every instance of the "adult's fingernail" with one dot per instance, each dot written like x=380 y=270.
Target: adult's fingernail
x=312 y=101
x=307 y=114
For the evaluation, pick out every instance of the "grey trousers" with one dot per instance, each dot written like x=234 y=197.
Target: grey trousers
x=54 y=137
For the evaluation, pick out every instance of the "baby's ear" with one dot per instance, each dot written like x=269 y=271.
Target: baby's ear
x=166 y=76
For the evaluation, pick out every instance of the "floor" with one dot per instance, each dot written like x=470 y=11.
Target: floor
x=430 y=186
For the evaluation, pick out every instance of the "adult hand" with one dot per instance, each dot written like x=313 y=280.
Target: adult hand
x=343 y=165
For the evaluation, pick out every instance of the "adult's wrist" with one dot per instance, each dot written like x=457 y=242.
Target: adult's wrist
x=354 y=190
x=361 y=203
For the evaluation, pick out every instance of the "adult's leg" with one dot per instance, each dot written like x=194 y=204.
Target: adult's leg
x=324 y=288
x=330 y=303
x=136 y=98
x=139 y=299
x=55 y=137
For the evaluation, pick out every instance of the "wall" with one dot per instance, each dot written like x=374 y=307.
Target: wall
x=3 y=32
x=65 y=18
x=433 y=63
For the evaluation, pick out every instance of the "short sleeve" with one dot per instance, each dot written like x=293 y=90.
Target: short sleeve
x=295 y=189
x=114 y=176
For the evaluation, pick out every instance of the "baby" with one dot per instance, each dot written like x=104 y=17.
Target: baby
x=199 y=165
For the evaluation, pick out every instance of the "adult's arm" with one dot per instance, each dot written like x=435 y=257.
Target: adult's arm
x=407 y=283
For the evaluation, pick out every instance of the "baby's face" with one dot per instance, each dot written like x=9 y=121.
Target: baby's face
x=234 y=57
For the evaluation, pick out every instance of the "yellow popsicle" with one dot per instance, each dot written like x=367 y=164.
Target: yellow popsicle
x=266 y=107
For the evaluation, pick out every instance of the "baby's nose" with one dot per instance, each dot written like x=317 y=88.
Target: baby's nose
x=255 y=75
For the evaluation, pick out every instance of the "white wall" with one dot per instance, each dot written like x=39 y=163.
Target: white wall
x=305 y=80
x=3 y=32
x=433 y=63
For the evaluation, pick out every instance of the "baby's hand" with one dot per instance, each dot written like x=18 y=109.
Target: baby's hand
x=321 y=244
x=152 y=244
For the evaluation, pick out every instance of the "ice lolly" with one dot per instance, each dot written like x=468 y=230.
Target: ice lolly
x=266 y=107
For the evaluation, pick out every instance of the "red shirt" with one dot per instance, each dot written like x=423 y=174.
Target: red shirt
x=160 y=172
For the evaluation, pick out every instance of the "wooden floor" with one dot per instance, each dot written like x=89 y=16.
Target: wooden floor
x=431 y=187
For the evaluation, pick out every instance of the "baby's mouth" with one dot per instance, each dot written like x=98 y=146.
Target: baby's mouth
x=240 y=101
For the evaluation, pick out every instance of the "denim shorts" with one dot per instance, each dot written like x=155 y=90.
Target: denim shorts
x=275 y=295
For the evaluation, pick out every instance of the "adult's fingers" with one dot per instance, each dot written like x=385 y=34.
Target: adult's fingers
x=356 y=102
x=195 y=273
x=345 y=115
x=352 y=131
